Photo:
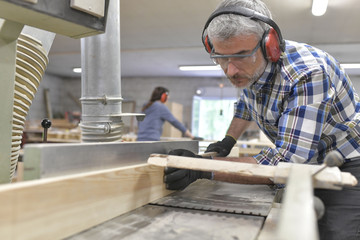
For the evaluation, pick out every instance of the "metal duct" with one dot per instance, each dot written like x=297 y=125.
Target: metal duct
x=33 y=46
x=101 y=82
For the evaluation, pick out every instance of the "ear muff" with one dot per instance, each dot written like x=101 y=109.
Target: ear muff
x=272 y=42
x=207 y=44
x=164 y=97
x=270 y=45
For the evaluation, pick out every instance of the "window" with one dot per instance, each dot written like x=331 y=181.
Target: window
x=211 y=116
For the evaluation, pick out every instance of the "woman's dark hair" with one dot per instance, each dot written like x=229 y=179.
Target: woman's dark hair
x=156 y=95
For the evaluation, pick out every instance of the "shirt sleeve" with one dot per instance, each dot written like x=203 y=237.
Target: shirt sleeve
x=301 y=124
x=242 y=111
x=168 y=116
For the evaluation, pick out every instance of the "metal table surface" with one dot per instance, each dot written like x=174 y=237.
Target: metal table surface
x=204 y=210
x=51 y=160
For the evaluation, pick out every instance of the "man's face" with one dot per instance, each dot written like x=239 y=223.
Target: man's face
x=241 y=71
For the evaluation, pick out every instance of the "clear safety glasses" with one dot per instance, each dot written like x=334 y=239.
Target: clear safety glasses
x=223 y=60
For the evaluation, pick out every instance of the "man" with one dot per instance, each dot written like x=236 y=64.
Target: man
x=298 y=95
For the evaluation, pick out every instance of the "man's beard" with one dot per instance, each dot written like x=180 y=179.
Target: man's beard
x=250 y=78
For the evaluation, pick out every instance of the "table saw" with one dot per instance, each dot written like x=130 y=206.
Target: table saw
x=109 y=191
x=204 y=210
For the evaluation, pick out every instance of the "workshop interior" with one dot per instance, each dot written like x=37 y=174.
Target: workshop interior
x=75 y=75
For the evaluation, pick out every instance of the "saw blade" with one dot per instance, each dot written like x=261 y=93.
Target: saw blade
x=224 y=197
x=163 y=223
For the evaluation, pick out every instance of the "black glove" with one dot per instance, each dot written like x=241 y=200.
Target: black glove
x=222 y=147
x=178 y=179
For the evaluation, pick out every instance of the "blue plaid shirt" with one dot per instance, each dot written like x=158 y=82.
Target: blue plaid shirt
x=306 y=105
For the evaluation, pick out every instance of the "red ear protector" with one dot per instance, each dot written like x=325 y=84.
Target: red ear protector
x=272 y=43
x=164 y=97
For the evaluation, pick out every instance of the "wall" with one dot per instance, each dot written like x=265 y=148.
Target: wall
x=181 y=90
x=356 y=82
x=64 y=93
x=38 y=107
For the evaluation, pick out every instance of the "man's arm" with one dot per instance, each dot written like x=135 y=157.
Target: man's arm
x=237 y=127
x=223 y=147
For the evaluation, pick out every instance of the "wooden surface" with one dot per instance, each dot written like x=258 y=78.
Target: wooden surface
x=271 y=223
x=130 y=123
x=177 y=110
x=244 y=169
x=297 y=217
x=55 y=208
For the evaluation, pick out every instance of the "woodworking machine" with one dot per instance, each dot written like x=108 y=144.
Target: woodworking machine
x=103 y=188
x=108 y=191
x=206 y=209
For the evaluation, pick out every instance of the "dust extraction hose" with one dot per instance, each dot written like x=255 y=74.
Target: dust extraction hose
x=31 y=62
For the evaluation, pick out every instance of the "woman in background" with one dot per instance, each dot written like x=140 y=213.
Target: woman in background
x=156 y=114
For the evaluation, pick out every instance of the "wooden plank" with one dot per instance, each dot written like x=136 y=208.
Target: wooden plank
x=269 y=229
x=329 y=178
x=169 y=130
x=243 y=169
x=48 y=106
x=55 y=208
x=297 y=217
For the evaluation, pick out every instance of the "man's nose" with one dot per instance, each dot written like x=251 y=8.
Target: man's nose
x=231 y=69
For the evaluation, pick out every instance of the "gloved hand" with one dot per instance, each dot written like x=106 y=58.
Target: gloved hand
x=222 y=147
x=178 y=179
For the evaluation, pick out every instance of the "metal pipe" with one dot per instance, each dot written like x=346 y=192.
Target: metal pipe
x=22 y=68
x=45 y=37
x=31 y=62
x=101 y=82
x=9 y=32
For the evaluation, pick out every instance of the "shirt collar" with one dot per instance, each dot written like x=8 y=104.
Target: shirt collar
x=268 y=74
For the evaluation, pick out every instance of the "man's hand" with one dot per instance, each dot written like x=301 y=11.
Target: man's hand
x=178 y=179
x=222 y=147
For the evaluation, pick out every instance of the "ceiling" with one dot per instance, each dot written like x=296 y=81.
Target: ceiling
x=159 y=35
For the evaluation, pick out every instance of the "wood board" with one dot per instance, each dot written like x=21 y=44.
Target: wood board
x=55 y=208
x=329 y=178
x=169 y=130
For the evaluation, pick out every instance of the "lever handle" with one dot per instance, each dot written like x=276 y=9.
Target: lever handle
x=46 y=124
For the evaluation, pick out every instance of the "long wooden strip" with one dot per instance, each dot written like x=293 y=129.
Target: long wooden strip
x=329 y=178
x=55 y=208
x=297 y=217
x=244 y=169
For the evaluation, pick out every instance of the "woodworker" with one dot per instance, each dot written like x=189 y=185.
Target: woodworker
x=299 y=96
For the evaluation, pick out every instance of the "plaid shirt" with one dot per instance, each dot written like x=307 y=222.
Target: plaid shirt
x=306 y=105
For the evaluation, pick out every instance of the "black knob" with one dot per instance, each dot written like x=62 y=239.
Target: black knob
x=46 y=123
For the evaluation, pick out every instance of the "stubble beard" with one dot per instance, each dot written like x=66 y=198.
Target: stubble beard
x=251 y=79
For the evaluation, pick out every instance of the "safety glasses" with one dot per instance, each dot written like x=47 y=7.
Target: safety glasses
x=223 y=60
